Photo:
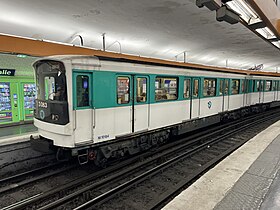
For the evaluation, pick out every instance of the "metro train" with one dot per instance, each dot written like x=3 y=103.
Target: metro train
x=99 y=108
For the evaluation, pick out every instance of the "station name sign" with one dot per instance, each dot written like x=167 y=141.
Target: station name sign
x=7 y=72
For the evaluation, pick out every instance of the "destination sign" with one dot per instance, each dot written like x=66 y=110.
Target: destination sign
x=7 y=72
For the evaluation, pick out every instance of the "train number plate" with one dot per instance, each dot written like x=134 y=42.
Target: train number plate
x=42 y=104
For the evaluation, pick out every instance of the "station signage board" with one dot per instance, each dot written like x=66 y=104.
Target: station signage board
x=7 y=72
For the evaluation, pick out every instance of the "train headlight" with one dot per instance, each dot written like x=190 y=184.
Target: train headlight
x=55 y=117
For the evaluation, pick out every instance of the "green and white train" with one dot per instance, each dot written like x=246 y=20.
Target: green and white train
x=98 y=108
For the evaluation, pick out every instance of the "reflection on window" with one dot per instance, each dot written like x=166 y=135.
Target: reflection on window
x=141 y=84
x=187 y=85
x=268 y=85
x=209 y=87
x=195 y=88
x=165 y=88
x=82 y=87
x=123 y=90
x=235 y=86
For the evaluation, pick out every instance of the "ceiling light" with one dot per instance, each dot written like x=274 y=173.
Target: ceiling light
x=266 y=33
x=277 y=44
x=242 y=8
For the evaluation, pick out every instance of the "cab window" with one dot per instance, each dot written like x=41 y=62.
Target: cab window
x=209 y=88
x=123 y=95
x=165 y=88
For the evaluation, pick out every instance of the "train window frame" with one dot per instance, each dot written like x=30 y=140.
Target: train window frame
x=187 y=91
x=209 y=90
x=163 y=93
x=118 y=97
x=237 y=86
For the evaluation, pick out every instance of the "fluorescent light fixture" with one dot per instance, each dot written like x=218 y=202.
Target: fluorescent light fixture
x=277 y=44
x=266 y=33
x=242 y=8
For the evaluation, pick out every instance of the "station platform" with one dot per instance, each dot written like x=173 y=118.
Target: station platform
x=17 y=133
x=247 y=179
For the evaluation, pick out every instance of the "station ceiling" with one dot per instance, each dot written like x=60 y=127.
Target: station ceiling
x=157 y=28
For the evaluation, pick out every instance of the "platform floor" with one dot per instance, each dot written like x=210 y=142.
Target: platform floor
x=247 y=179
x=17 y=133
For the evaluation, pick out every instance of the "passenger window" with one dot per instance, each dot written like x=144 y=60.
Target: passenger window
x=123 y=90
x=235 y=87
x=243 y=86
x=165 y=88
x=221 y=87
x=141 y=95
x=209 y=88
x=278 y=87
x=268 y=85
x=274 y=86
x=195 y=88
x=187 y=85
x=82 y=88
x=257 y=85
x=226 y=87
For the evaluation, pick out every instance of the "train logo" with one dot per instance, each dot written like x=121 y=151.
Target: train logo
x=42 y=114
x=209 y=104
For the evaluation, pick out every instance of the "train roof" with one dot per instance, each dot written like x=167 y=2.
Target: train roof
x=119 y=57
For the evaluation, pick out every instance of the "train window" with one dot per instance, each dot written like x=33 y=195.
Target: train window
x=221 y=87
x=257 y=85
x=209 y=88
x=274 y=85
x=141 y=92
x=243 y=86
x=123 y=90
x=195 y=88
x=268 y=85
x=235 y=86
x=82 y=90
x=187 y=85
x=165 y=88
x=278 y=87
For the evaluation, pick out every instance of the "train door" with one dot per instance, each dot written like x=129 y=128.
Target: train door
x=225 y=102
x=83 y=113
x=140 y=103
x=248 y=84
x=195 y=98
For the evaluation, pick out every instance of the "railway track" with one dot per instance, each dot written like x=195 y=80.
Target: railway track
x=174 y=166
